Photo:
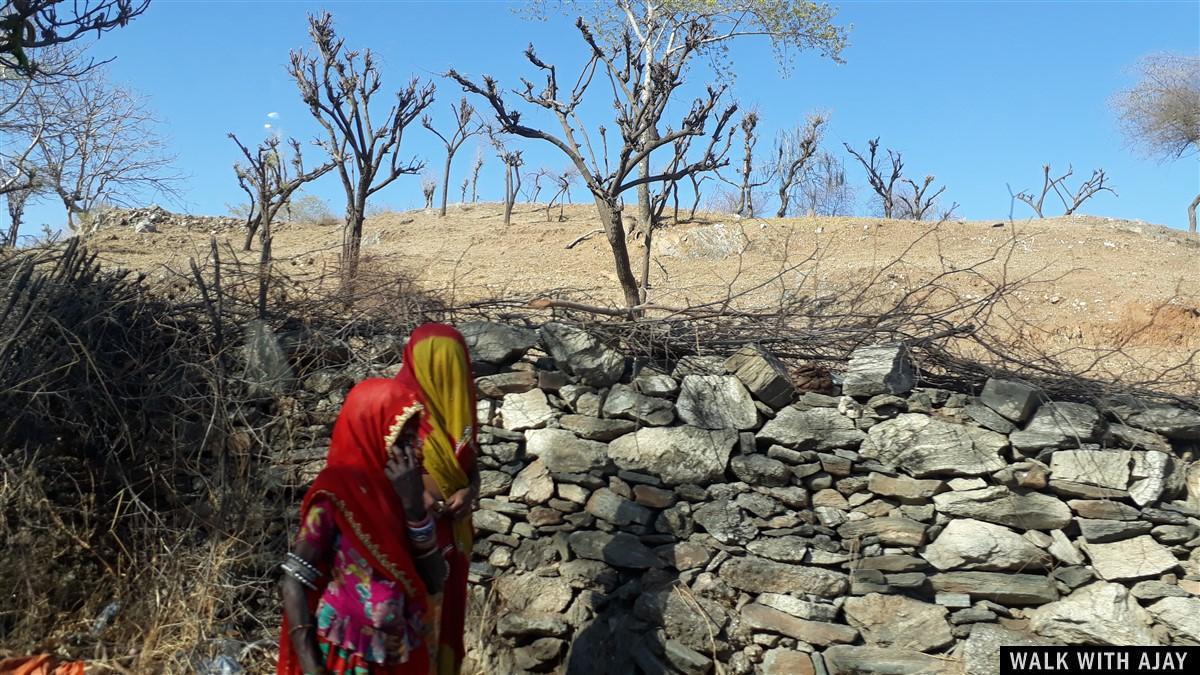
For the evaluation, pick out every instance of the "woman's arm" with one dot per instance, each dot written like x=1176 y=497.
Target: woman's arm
x=301 y=624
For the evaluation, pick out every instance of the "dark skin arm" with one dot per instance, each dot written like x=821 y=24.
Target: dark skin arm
x=403 y=471
x=295 y=605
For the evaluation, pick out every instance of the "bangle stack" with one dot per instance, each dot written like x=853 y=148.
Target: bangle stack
x=301 y=570
x=421 y=532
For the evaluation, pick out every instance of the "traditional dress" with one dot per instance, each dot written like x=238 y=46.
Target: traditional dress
x=371 y=610
x=436 y=361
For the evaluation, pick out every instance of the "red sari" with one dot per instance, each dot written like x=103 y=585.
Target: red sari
x=437 y=363
x=367 y=512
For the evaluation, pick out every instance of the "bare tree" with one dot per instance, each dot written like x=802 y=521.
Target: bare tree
x=793 y=150
x=917 y=205
x=17 y=200
x=463 y=189
x=661 y=32
x=338 y=86
x=105 y=149
x=475 y=174
x=636 y=116
x=512 y=161
x=269 y=180
x=428 y=189
x=1071 y=199
x=27 y=26
x=824 y=188
x=465 y=126
x=563 y=181
x=534 y=187
x=749 y=179
x=1161 y=113
x=882 y=180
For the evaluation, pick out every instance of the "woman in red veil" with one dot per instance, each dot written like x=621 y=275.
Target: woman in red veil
x=361 y=584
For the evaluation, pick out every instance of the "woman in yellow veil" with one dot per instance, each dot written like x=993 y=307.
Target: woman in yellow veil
x=437 y=363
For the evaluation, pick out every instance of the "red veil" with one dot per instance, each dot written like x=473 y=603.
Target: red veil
x=366 y=508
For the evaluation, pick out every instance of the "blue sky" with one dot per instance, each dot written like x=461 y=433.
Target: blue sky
x=979 y=94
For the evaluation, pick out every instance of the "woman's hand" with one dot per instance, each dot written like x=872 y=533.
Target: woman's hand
x=404 y=473
x=459 y=504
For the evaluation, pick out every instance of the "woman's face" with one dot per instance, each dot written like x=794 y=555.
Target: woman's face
x=409 y=438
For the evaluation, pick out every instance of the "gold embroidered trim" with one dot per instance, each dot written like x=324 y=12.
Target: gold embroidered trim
x=366 y=541
x=393 y=431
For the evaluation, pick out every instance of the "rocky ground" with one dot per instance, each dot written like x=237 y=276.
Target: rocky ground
x=707 y=516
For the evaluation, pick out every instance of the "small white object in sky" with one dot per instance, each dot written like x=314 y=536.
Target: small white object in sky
x=273 y=115
x=267 y=125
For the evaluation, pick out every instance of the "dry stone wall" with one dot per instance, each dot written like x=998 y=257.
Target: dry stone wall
x=709 y=518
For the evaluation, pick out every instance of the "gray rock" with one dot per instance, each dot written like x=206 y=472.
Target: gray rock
x=980 y=650
x=1174 y=423
x=725 y=522
x=531 y=626
x=818 y=429
x=623 y=402
x=781 y=549
x=267 y=369
x=1006 y=589
x=537 y=654
x=609 y=507
x=1135 y=558
x=581 y=354
x=1014 y=400
x=890 y=531
x=529 y=410
x=923 y=446
x=882 y=369
x=676 y=455
x=490 y=521
x=515 y=382
x=527 y=592
x=564 y=452
x=690 y=619
x=758 y=575
x=820 y=633
x=1103 y=468
x=900 y=622
x=989 y=419
x=1181 y=617
x=1097 y=614
x=1154 y=474
x=653 y=383
x=1000 y=505
x=763 y=374
x=715 y=402
x=787 y=662
x=685 y=659
x=496 y=342
x=1137 y=439
x=618 y=549
x=760 y=470
x=862 y=660
x=1108 y=531
x=1149 y=591
x=968 y=544
x=533 y=484
x=1059 y=425
x=1063 y=549
x=492 y=483
x=801 y=609
x=1103 y=510
x=595 y=428
x=904 y=489
x=695 y=364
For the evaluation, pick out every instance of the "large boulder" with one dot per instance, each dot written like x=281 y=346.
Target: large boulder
x=981 y=648
x=716 y=402
x=529 y=410
x=1181 y=616
x=725 y=522
x=1100 y=468
x=899 y=621
x=618 y=549
x=1155 y=475
x=1059 y=425
x=762 y=618
x=496 y=343
x=582 y=354
x=818 y=429
x=1097 y=614
x=923 y=446
x=676 y=455
x=763 y=374
x=881 y=369
x=1006 y=589
x=564 y=452
x=1000 y=505
x=967 y=544
x=1013 y=400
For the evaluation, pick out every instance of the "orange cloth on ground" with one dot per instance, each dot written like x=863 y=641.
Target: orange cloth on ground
x=42 y=664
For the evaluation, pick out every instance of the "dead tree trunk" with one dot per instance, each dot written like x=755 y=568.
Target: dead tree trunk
x=1192 y=214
